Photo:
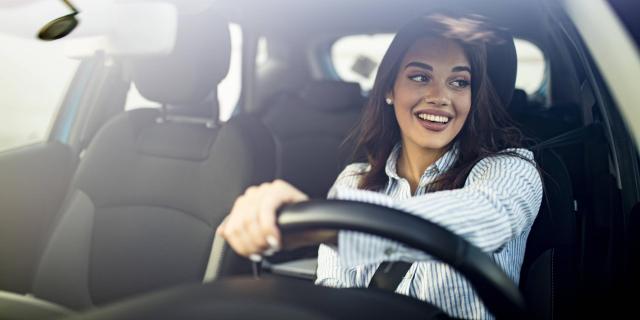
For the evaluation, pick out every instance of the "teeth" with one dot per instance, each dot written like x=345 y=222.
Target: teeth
x=434 y=118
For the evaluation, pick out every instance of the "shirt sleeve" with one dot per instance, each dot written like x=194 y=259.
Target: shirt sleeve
x=498 y=202
x=330 y=272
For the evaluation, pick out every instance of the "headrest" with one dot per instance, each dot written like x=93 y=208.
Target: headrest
x=199 y=61
x=502 y=65
x=519 y=101
x=331 y=95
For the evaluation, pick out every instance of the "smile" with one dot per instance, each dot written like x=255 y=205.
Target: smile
x=433 y=118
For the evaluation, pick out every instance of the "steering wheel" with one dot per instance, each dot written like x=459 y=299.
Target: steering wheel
x=278 y=298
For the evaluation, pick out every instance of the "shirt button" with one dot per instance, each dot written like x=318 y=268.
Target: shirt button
x=388 y=251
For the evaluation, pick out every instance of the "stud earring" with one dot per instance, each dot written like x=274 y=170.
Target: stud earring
x=389 y=101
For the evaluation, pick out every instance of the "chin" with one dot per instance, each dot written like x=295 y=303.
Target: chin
x=435 y=145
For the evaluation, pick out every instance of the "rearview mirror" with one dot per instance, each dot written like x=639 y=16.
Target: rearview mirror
x=117 y=28
x=60 y=27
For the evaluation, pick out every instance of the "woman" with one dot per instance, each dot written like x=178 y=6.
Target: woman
x=440 y=146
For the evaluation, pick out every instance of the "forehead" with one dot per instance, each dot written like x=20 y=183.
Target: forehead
x=436 y=51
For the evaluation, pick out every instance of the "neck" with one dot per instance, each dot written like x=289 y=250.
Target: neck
x=414 y=160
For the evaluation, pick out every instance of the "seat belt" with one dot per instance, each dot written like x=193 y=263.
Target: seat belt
x=389 y=275
x=570 y=137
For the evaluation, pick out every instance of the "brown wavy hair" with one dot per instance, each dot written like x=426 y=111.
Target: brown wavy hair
x=488 y=130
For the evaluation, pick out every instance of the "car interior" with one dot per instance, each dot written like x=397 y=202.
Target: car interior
x=128 y=203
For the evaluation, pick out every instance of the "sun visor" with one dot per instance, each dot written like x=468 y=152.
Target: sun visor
x=117 y=28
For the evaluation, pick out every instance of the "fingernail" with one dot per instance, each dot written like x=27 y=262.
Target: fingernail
x=255 y=257
x=273 y=243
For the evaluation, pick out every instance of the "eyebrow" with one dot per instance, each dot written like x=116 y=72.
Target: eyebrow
x=419 y=65
x=430 y=68
x=461 y=69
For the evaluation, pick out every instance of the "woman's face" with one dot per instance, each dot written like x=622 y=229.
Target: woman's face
x=432 y=94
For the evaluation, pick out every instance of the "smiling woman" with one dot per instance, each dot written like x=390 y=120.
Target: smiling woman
x=432 y=91
x=459 y=89
x=439 y=145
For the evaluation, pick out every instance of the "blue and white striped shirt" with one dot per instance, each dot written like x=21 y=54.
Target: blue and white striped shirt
x=494 y=211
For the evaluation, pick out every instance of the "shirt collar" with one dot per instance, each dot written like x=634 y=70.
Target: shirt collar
x=441 y=165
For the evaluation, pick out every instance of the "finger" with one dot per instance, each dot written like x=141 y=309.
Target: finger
x=267 y=220
x=290 y=193
x=233 y=230
x=236 y=244
x=244 y=244
x=220 y=228
x=280 y=193
x=254 y=233
x=254 y=239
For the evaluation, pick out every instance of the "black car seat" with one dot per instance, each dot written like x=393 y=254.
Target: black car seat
x=151 y=188
x=541 y=123
x=548 y=275
x=310 y=127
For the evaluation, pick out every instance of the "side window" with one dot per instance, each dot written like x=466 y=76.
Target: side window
x=356 y=58
x=531 y=67
x=34 y=79
x=228 y=88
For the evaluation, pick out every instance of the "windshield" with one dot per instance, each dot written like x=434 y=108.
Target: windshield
x=35 y=76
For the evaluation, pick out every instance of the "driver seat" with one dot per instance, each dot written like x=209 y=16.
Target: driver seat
x=548 y=278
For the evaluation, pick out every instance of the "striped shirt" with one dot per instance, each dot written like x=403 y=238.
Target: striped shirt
x=494 y=211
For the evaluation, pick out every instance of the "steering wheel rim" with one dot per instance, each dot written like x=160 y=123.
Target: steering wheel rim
x=497 y=291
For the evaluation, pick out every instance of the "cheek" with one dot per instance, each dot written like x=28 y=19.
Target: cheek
x=401 y=115
x=463 y=107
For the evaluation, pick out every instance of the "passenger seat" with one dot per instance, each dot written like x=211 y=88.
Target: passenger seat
x=154 y=184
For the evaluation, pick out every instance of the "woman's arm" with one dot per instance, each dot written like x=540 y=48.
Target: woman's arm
x=499 y=201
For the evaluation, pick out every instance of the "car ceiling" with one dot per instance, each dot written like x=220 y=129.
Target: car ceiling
x=297 y=18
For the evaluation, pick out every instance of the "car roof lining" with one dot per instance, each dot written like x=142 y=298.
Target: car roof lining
x=278 y=16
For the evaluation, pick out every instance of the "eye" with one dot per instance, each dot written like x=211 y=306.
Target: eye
x=419 y=78
x=460 y=83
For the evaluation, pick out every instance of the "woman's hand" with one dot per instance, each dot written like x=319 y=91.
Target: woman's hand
x=250 y=228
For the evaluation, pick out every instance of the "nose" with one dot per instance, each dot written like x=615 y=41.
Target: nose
x=436 y=96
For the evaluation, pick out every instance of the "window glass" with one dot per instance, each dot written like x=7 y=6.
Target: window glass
x=228 y=88
x=262 y=56
x=531 y=66
x=356 y=59
x=34 y=79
